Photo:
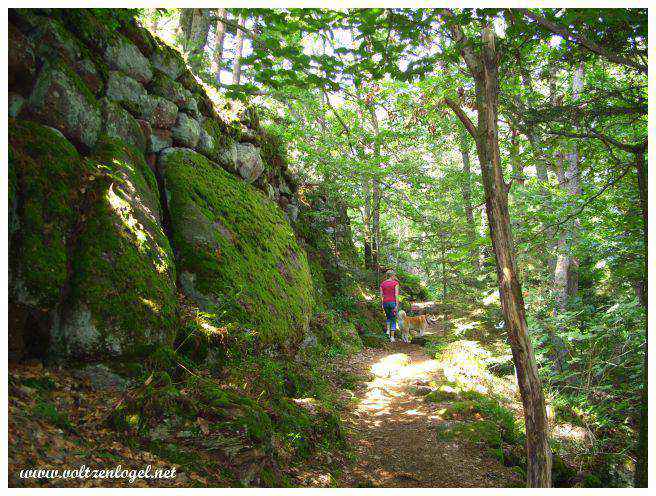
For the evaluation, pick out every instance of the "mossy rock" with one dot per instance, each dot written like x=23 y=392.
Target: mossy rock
x=217 y=144
x=240 y=253
x=48 y=173
x=62 y=100
x=123 y=296
x=45 y=178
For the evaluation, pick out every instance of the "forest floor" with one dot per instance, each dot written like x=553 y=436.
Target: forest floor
x=442 y=414
x=397 y=433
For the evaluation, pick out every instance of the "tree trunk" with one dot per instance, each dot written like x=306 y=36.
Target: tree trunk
x=485 y=72
x=641 y=472
x=517 y=169
x=236 y=66
x=376 y=192
x=566 y=266
x=218 y=44
x=194 y=27
x=466 y=179
x=368 y=256
x=466 y=194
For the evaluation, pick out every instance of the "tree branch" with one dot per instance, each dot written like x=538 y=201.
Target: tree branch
x=469 y=125
x=583 y=41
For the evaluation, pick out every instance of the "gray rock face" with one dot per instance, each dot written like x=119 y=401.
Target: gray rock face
x=168 y=61
x=126 y=91
x=158 y=111
x=159 y=140
x=205 y=143
x=15 y=104
x=248 y=161
x=125 y=57
x=60 y=99
x=118 y=123
x=186 y=131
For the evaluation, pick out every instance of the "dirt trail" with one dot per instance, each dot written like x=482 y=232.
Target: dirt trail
x=395 y=432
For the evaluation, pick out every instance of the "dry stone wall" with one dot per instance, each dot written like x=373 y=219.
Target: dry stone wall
x=108 y=130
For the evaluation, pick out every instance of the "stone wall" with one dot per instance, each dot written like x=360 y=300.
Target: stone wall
x=128 y=186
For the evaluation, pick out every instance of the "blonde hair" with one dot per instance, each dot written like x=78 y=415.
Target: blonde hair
x=390 y=273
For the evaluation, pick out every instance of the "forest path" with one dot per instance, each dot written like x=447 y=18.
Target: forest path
x=395 y=433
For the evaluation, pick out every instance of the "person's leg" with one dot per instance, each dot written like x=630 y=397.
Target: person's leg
x=388 y=307
x=392 y=319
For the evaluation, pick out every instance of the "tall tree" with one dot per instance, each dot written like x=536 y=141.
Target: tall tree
x=194 y=28
x=484 y=68
x=219 y=37
x=239 y=49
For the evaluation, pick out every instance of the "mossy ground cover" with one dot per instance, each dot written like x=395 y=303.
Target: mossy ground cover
x=479 y=400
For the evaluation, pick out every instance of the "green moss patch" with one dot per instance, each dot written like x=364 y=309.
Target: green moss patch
x=48 y=174
x=236 y=251
x=123 y=296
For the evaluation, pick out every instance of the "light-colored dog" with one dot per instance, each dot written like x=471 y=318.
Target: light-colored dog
x=407 y=324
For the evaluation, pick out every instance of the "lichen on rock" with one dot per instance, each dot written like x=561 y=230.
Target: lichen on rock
x=126 y=91
x=248 y=161
x=119 y=124
x=61 y=100
x=123 y=56
x=186 y=131
x=159 y=112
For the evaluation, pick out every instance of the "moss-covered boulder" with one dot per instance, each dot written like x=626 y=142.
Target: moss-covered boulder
x=126 y=91
x=122 y=297
x=62 y=100
x=122 y=55
x=46 y=174
x=186 y=131
x=119 y=124
x=236 y=254
x=164 y=86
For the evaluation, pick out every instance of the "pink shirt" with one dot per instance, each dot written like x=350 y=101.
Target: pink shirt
x=388 y=288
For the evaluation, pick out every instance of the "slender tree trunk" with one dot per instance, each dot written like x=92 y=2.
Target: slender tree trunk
x=466 y=179
x=641 y=477
x=376 y=192
x=218 y=45
x=368 y=256
x=236 y=67
x=517 y=168
x=566 y=265
x=194 y=27
x=466 y=194
x=485 y=72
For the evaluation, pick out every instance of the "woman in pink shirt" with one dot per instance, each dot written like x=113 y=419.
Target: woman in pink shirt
x=389 y=295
